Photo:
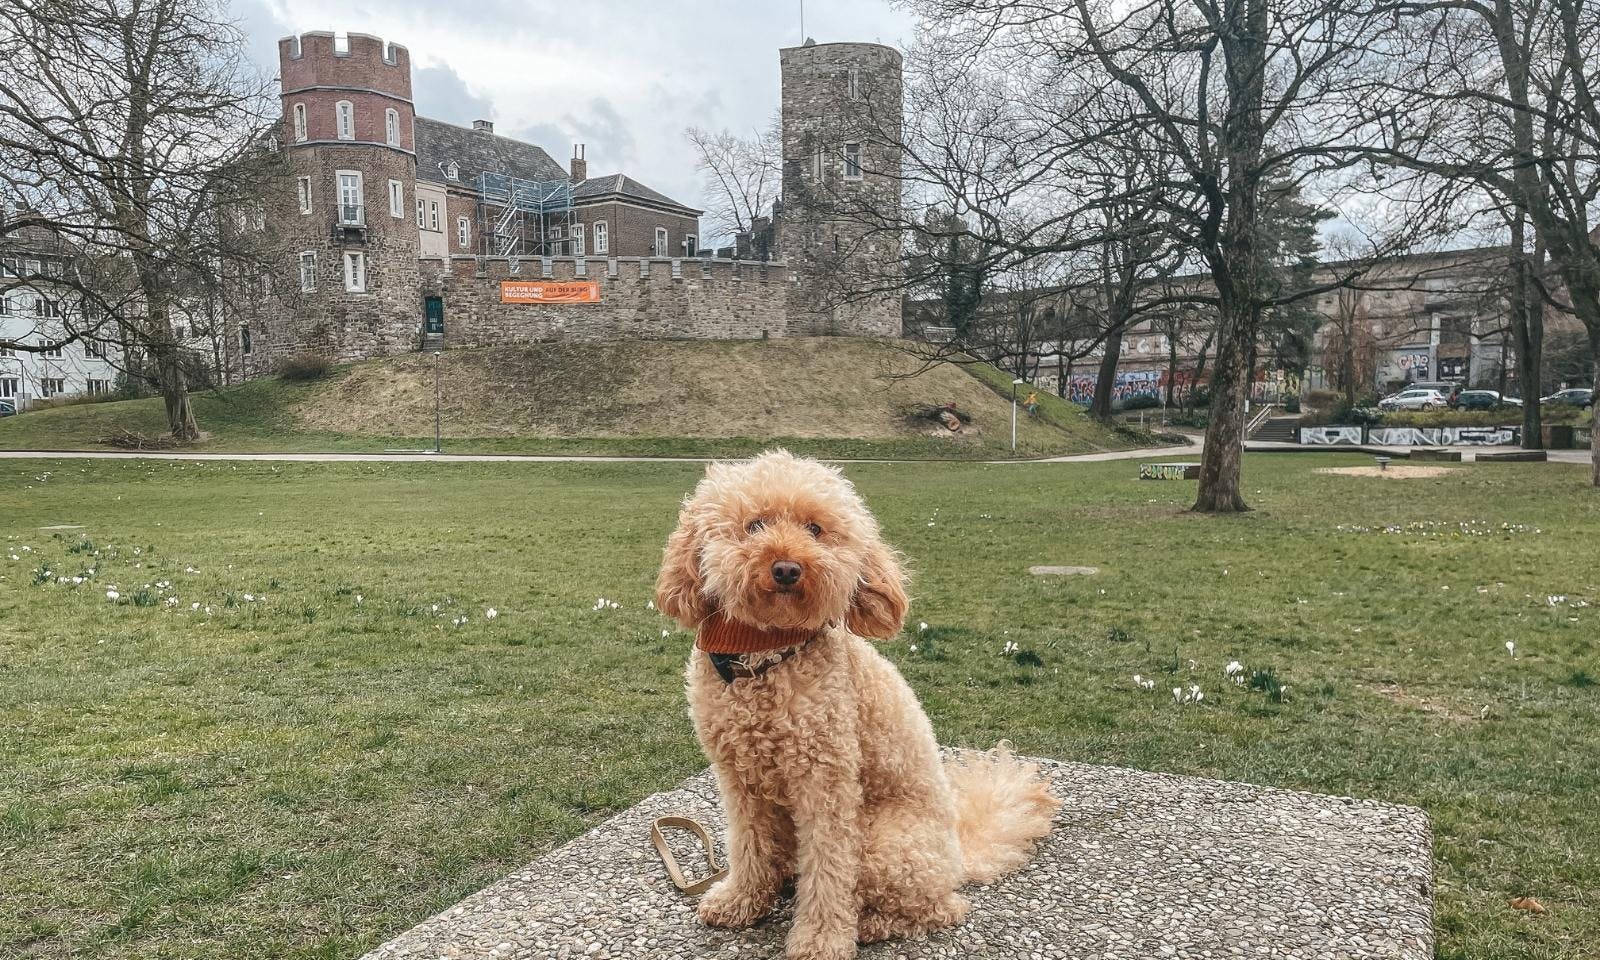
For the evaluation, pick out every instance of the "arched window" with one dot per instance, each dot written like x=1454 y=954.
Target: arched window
x=391 y=126
x=344 y=113
x=299 y=123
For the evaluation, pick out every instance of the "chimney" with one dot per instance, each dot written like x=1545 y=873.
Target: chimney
x=483 y=126
x=579 y=166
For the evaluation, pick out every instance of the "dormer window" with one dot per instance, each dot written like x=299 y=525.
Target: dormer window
x=341 y=45
x=391 y=126
x=345 y=119
x=294 y=48
x=389 y=55
x=299 y=123
x=452 y=171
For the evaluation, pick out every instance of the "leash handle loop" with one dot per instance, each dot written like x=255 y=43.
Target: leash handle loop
x=671 y=862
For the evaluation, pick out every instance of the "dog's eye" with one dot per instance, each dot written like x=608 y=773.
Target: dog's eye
x=814 y=530
x=754 y=526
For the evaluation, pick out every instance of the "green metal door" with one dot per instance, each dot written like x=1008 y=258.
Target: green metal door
x=435 y=313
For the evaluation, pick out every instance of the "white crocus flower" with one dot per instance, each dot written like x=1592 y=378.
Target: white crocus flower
x=491 y=613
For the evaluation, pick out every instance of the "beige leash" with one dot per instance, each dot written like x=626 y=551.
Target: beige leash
x=694 y=827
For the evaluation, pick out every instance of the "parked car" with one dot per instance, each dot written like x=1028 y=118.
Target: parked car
x=7 y=408
x=1415 y=399
x=1484 y=400
x=1449 y=388
x=1574 y=396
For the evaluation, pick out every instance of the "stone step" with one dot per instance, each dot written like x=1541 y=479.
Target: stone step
x=1278 y=429
x=1139 y=866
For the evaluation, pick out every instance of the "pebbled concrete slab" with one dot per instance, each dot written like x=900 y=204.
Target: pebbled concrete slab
x=1140 y=866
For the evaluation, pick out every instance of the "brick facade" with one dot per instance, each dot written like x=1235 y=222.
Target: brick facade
x=631 y=229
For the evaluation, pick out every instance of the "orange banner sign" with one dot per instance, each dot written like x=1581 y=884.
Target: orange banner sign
x=549 y=291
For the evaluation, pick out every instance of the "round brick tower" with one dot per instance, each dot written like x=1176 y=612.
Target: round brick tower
x=839 y=230
x=348 y=134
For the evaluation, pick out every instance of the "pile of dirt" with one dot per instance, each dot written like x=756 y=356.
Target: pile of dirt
x=1394 y=471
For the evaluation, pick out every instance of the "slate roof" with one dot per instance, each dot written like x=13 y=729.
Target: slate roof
x=620 y=184
x=476 y=151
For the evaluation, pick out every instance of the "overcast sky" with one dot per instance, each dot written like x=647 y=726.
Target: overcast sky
x=623 y=76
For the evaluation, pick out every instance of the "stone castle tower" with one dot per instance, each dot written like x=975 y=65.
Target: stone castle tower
x=348 y=134
x=839 y=230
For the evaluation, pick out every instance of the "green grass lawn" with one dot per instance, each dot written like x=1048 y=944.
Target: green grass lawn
x=317 y=757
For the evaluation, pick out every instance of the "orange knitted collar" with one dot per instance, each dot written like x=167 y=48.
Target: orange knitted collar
x=720 y=634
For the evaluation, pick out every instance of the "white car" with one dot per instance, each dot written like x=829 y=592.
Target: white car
x=1415 y=399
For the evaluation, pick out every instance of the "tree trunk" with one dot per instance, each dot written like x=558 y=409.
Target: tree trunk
x=1103 y=387
x=1224 y=444
x=1172 y=366
x=175 y=393
x=1527 y=334
x=1234 y=262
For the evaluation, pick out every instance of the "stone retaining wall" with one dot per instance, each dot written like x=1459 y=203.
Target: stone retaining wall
x=656 y=298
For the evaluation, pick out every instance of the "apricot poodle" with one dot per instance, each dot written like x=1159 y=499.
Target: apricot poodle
x=827 y=767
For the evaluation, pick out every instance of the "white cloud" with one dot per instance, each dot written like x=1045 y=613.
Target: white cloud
x=624 y=76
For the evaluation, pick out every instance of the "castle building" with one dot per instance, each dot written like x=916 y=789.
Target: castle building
x=408 y=233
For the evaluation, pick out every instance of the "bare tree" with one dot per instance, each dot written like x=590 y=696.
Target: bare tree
x=742 y=176
x=1506 y=89
x=136 y=131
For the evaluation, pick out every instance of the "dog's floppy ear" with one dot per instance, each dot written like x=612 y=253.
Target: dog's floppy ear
x=878 y=608
x=678 y=584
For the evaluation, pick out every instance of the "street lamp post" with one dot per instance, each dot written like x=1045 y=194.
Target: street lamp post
x=436 y=354
x=1014 y=385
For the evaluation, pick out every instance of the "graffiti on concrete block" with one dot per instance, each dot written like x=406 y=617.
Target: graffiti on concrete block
x=1169 y=471
x=1444 y=436
x=1329 y=436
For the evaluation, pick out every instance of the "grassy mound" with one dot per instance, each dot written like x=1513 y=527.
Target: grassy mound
x=841 y=397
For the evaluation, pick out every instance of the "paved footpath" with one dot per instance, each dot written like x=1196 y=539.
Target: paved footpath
x=1190 y=449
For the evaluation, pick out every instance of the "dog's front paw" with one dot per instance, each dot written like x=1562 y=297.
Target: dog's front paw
x=727 y=905
x=808 y=945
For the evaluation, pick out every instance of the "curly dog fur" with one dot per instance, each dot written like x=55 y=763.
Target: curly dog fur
x=827 y=766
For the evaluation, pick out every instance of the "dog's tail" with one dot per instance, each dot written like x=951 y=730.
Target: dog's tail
x=1002 y=807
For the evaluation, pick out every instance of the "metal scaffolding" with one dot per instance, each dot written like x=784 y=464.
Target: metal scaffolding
x=524 y=218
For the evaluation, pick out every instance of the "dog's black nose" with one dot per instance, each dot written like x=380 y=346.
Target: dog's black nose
x=786 y=573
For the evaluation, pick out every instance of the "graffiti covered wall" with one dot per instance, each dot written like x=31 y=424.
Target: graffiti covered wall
x=1413 y=436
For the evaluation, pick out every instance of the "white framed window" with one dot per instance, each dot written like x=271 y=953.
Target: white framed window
x=691 y=245
x=304 y=187
x=463 y=233
x=661 y=241
x=350 y=193
x=602 y=239
x=397 y=200
x=31 y=268
x=52 y=386
x=422 y=217
x=308 y=270
x=94 y=348
x=852 y=84
x=5 y=308
x=299 y=123
x=98 y=388
x=433 y=214
x=577 y=239
x=852 y=161
x=48 y=309
x=391 y=126
x=8 y=387
x=52 y=268
x=8 y=267
x=244 y=339
x=52 y=351
x=344 y=117
x=355 y=272
x=452 y=171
